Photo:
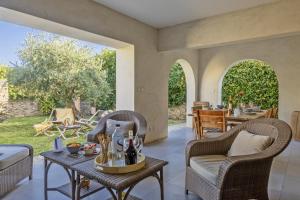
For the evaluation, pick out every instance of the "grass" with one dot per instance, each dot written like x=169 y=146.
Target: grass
x=173 y=121
x=19 y=130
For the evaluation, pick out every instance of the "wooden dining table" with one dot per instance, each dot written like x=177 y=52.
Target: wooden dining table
x=243 y=117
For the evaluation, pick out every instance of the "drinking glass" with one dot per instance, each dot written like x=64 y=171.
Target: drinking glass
x=140 y=146
x=125 y=144
x=136 y=141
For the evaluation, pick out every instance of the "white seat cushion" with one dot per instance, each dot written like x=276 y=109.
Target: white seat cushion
x=11 y=155
x=207 y=166
x=247 y=143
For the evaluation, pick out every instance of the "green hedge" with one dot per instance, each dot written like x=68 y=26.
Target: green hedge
x=251 y=81
x=176 y=86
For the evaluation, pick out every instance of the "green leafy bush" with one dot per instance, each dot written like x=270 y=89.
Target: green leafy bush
x=107 y=60
x=17 y=93
x=176 y=86
x=3 y=71
x=255 y=80
x=46 y=104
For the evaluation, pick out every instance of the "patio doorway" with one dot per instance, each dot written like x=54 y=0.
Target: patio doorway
x=120 y=62
x=181 y=92
x=250 y=81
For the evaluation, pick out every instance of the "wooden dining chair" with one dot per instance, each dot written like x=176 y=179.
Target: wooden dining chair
x=201 y=104
x=274 y=112
x=269 y=113
x=212 y=119
x=196 y=125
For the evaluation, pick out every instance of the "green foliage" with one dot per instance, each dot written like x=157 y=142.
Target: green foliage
x=3 y=71
x=176 y=86
x=61 y=69
x=17 y=92
x=107 y=60
x=257 y=82
x=46 y=104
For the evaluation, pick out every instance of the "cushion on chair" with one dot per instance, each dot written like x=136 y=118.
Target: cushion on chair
x=207 y=166
x=125 y=126
x=247 y=143
x=11 y=155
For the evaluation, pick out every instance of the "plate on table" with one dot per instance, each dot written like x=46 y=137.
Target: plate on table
x=95 y=152
x=250 y=113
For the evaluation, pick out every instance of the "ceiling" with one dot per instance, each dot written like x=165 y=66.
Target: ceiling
x=164 y=13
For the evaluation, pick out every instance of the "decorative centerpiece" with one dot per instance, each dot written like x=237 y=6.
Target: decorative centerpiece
x=104 y=143
x=119 y=166
x=129 y=160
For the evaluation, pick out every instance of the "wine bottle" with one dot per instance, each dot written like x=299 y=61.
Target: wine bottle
x=114 y=143
x=130 y=154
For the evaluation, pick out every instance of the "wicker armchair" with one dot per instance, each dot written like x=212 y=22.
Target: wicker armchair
x=140 y=124
x=14 y=168
x=238 y=177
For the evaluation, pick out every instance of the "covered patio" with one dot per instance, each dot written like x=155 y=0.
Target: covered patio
x=282 y=185
x=207 y=38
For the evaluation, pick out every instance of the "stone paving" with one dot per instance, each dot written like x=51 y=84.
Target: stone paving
x=284 y=180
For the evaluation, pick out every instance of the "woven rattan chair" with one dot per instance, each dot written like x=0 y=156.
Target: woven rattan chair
x=15 y=166
x=140 y=124
x=238 y=177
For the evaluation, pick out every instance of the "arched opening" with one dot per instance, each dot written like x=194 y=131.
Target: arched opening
x=250 y=81
x=181 y=92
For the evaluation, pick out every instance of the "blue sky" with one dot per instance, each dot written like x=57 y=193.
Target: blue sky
x=12 y=37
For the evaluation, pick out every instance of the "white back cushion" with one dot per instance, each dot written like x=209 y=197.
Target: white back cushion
x=247 y=143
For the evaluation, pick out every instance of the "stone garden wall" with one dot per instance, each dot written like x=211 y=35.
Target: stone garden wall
x=22 y=108
x=19 y=108
x=3 y=91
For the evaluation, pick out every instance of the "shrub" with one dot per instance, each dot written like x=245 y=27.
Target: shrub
x=257 y=82
x=3 y=71
x=46 y=104
x=176 y=86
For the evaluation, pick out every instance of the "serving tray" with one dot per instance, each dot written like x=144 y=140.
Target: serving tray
x=119 y=166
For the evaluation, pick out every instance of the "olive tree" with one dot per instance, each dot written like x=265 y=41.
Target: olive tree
x=56 y=70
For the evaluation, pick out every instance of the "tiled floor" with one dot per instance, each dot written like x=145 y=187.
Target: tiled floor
x=284 y=180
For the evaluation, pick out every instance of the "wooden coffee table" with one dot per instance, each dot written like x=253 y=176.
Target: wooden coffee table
x=122 y=184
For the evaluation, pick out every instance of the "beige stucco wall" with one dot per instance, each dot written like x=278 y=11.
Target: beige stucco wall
x=149 y=76
x=270 y=20
x=282 y=54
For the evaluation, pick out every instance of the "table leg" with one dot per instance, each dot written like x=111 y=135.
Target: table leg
x=119 y=194
x=78 y=187
x=161 y=183
x=112 y=193
x=45 y=179
x=73 y=184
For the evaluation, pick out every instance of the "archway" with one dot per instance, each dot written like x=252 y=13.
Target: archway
x=189 y=84
x=250 y=81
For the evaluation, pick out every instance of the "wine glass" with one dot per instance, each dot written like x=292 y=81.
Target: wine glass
x=125 y=144
x=136 y=141
x=140 y=146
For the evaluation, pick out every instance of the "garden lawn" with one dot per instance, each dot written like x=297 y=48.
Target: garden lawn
x=20 y=130
x=174 y=122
